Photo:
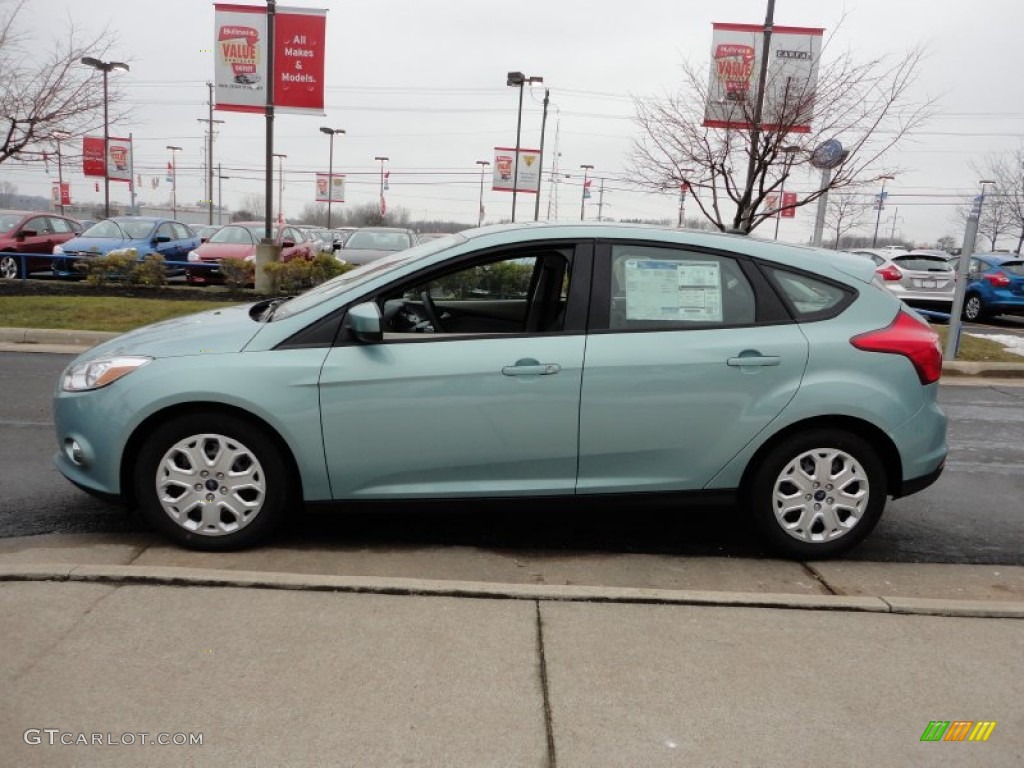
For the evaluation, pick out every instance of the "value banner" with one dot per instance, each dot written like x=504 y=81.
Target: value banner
x=60 y=192
x=240 y=57
x=736 y=51
x=505 y=168
x=330 y=188
x=119 y=157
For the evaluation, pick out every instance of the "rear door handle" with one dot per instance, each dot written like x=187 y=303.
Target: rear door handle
x=530 y=367
x=749 y=359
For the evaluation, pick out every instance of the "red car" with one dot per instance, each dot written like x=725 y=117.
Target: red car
x=31 y=232
x=238 y=241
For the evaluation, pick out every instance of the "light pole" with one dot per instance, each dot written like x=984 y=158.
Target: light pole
x=970 y=234
x=57 y=136
x=220 y=195
x=174 y=180
x=881 y=203
x=583 y=194
x=330 y=169
x=383 y=208
x=105 y=67
x=684 y=187
x=280 y=187
x=518 y=80
x=789 y=152
x=483 y=168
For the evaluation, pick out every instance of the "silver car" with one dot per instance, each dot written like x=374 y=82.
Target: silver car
x=918 y=278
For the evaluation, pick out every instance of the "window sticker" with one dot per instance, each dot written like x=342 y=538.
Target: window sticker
x=659 y=289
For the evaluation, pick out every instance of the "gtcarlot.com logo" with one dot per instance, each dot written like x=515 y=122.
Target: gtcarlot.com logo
x=958 y=730
x=59 y=737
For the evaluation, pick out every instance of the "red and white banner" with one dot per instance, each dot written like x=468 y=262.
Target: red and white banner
x=771 y=202
x=505 y=168
x=789 y=87
x=60 y=192
x=326 y=191
x=119 y=157
x=243 y=66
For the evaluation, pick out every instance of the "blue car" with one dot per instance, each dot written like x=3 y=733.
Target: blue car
x=995 y=286
x=146 y=234
x=549 y=362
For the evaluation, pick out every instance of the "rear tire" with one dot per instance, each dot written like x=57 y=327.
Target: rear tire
x=10 y=267
x=817 y=494
x=974 y=310
x=212 y=481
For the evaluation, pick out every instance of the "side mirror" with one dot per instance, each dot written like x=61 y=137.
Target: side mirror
x=161 y=239
x=27 y=233
x=365 y=321
x=287 y=243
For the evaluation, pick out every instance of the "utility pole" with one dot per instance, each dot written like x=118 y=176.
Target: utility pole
x=600 y=201
x=881 y=205
x=483 y=168
x=220 y=195
x=892 y=235
x=583 y=195
x=280 y=187
x=540 y=166
x=57 y=136
x=209 y=153
x=174 y=180
x=970 y=235
x=553 y=184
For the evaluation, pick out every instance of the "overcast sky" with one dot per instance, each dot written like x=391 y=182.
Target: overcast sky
x=424 y=84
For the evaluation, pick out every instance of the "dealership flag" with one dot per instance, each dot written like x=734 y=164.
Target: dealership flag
x=736 y=51
x=504 y=167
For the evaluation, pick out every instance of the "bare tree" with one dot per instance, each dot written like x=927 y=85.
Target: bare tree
x=843 y=213
x=865 y=105
x=7 y=193
x=997 y=215
x=1008 y=172
x=44 y=87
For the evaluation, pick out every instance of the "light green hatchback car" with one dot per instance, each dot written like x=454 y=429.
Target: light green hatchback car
x=528 y=361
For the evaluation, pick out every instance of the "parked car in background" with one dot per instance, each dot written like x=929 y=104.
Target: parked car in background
x=919 y=278
x=146 y=234
x=995 y=286
x=371 y=243
x=783 y=379
x=35 y=233
x=238 y=241
x=204 y=233
x=424 y=237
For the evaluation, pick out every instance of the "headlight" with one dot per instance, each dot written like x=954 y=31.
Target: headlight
x=58 y=249
x=193 y=256
x=100 y=372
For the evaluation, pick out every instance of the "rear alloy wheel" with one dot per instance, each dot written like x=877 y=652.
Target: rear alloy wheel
x=973 y=309
x=9 y=267
x=818 y=494
x=211 y=482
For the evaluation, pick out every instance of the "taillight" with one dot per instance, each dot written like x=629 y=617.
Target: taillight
x=911 y=338
x=890 y=272
x=998 y=279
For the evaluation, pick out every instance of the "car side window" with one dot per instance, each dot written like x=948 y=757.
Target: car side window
x=40 y=225
x=165 y=230
x=59 y=226
x=656 y=288
x=181 y=232
x=808 y=297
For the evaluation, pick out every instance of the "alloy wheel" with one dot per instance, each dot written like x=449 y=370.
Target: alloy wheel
x=821 y=495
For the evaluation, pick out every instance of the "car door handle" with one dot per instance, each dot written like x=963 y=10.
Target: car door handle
x=748 y=359
x=529 y=367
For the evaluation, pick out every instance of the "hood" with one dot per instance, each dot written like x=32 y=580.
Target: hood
x=216 y=332
x=100 y=244
x=360 y=256
x=215 y=251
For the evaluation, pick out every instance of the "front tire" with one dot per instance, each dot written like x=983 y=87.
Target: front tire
x=212 y=481
x=974 y=310
x=10 y=268
x=817 y=494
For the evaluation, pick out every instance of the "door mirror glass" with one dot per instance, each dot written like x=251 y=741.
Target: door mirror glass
x=27 y=233
x=365 y=321
x=161 y=239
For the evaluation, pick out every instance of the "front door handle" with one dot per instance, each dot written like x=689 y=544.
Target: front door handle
x=751 y=357
x=530 y=367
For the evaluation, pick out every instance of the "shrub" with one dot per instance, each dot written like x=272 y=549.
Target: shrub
x=298 y=274
x=238 y=273
x=150 y=271
x=115 y=266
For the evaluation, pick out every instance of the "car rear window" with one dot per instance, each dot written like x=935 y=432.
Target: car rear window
x=917 y=263
x=1014 y=267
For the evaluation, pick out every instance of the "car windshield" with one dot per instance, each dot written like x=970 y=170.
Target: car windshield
x=126 y=230
x=379 y=241
x=360 y=275
x=923 y=263
x=229 y=234
x=9 y=221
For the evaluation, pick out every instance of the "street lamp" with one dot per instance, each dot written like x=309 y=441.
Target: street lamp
x=280 y=187
x=583 y=195
x=330 y=169
x=174 y=180
x=105 y=67
x=518 y=80
x=483 y=168
x=881 y=203
x=57 y=136
x=383 y=208
x=789 y=152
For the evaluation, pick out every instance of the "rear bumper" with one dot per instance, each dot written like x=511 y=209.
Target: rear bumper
x=908 y=487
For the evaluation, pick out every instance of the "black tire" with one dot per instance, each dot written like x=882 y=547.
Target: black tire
x=816 y=541
x=260 y=479
x=10 y=267
x=974 y=309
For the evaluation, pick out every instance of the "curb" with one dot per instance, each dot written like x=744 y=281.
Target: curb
x=66 y=338
x=208 y=577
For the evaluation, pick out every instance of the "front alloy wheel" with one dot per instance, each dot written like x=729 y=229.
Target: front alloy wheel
x=973 y=309
x=819 y=494
x=211 y=482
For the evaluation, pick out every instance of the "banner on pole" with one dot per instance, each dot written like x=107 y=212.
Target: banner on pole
x=330 y=189
x=505 y=167
x=240 y=57
x=60 y=192
x=300 y=42
x=790 y=84
x=119 y=158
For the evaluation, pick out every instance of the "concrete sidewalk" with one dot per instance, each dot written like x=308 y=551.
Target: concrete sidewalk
x=272 y=668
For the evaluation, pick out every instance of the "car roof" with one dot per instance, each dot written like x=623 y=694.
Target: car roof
x=998 y=258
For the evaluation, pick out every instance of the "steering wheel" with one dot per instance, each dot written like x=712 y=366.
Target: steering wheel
x=432 y=314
